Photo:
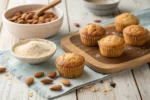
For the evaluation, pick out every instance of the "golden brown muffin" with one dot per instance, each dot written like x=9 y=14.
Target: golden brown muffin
x=125 y=20
x=91 y=33
x=111 y=46
x=135 y=35
x=70 y=65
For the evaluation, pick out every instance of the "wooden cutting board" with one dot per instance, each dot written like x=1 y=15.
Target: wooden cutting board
x=132 y=56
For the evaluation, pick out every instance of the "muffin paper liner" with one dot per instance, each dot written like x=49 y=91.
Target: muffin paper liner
x=89 y=41
x=135 y=40
x=70 y=72
x=111 y=52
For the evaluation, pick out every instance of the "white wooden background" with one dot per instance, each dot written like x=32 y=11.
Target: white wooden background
x=131 y=85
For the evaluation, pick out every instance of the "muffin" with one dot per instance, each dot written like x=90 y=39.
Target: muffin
x=91 y=33
x=111 y=46
x=125 y=20
x=135 y=35
x=70 y=65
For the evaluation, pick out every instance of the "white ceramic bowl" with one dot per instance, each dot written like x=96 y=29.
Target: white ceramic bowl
x=25 y=31
x=101 y=7
x=34 y=60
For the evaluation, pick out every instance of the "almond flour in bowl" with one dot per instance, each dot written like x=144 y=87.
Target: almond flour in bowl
x=33 y=51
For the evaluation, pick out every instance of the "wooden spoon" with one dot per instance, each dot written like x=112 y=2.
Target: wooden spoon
x=38 y=12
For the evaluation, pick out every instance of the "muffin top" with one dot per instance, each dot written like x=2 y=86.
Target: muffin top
x=70 y=60
x=93 y=30
x=135 y=30
x=127 y=19
x=112 y=41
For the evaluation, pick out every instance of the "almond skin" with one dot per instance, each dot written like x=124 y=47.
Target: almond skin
x=38 y=74
x=2 y=69
x=29 y=80
x=56 y=87
x=65 y=82
x=52 y=74
x=97 y=21
x=46 y=81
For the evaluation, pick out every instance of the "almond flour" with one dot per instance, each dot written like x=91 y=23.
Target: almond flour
x=32 y=49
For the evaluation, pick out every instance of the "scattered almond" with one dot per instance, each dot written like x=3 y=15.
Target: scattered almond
x=29 y=80
x=65 y=82
x=2 y=69
x=56 y=87
x=38 y=74
x=76 y=25
x=46 y=81
x=97 y=21
x=52 y=74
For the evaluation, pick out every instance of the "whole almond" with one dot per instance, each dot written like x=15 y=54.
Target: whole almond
x=15 y=18
x=47 y=20
x=21 y=21
x=76 y=25
x=35 y=17
x=10 y=19
x=19 y=13
x=46 y=16
x=38 y=74
x=29 y=16
x=41 y=18
x=35 y=22
x=39 y=22
x=46 y=81
x=54 y=18
x=65 y=82
x=56 y=87
x=52 y=74
x=47 y=13
x=23 y=16
x=97 y=21
x=30 y=21
x=29 y=80
x=2 y=69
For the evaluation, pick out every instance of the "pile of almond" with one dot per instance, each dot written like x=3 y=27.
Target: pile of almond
x=30 y=18
x=51 y=75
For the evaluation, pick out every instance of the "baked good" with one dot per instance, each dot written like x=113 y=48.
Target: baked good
x=125 y=20
x=70 y=65
x=111 y=46
x=91 y=33
x=135 y=35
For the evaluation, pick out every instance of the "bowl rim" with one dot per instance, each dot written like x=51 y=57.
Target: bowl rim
x=57 y=8
x=38 y=39
x=100 y=4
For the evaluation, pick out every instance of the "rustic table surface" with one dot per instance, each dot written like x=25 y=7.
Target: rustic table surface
x=130 y=85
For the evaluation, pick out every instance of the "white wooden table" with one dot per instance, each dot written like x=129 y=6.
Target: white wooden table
x=131 y=85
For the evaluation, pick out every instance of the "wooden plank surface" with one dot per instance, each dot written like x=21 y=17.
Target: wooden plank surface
x=3 y=5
